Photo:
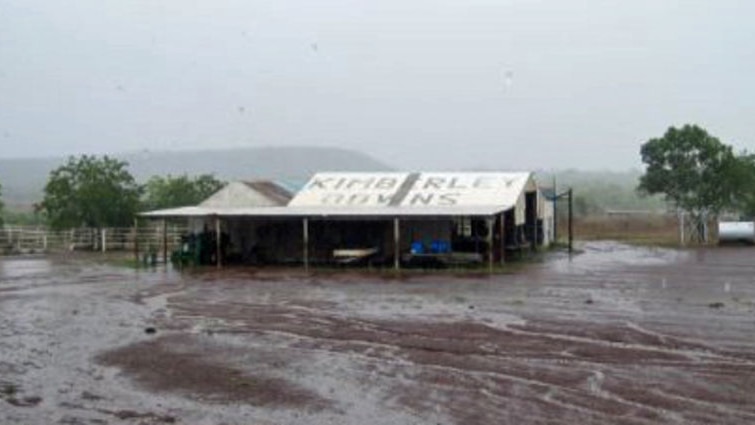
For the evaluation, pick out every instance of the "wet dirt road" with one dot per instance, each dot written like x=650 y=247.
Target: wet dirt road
x=619 y=334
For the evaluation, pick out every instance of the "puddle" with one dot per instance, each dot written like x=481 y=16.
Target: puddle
x=616 y=334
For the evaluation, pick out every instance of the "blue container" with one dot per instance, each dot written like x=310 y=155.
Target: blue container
x=440 y=247
x=418 y=248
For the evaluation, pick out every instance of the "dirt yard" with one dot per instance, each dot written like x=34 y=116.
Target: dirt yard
x=616 y=334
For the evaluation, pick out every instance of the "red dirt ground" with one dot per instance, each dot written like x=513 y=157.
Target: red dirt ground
x=616 y=334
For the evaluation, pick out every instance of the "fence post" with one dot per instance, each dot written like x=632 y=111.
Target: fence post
x=103 y=233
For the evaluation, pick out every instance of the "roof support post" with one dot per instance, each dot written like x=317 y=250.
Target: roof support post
x=165 y=241
x=305 y=233
x=571 y=219
x=136 y=240
x=218 y=261
x=555 y=211
x=396 y=244
x=503 y=236
x=491 y=228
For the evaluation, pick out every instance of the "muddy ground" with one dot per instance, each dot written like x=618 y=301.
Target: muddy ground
x=617 y=334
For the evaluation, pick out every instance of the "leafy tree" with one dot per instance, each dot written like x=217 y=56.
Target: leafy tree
x=90 y=191
x=170 y=192
x=584 y=206
x=23 y=218
x=696 y=173
x=742 y=177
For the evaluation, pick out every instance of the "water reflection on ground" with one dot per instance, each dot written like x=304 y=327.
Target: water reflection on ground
x=614 y=334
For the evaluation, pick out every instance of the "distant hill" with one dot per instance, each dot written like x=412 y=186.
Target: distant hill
x=23 y=180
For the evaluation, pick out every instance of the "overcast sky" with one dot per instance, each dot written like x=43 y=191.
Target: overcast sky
x=416 y=83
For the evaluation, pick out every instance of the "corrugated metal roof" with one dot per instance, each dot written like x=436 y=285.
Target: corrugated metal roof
x=412 y=190
x=385 y=194
x=179 y=212
x=260 y=193
x=318 y=211
x=271 y=190
x=363 y=189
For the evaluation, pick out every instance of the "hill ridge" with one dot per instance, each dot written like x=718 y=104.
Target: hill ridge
x=23 y=179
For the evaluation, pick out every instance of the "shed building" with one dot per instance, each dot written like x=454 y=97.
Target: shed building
x=396 y=218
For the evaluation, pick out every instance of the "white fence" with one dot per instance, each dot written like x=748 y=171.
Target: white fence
x=23 y=239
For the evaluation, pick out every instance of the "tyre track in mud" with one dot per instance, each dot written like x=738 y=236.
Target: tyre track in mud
x=475 y=353
x=619 y=334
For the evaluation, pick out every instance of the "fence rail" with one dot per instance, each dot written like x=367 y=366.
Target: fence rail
x=27 y=239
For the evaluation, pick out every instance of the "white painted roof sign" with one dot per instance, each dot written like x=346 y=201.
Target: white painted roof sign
x=412 y=190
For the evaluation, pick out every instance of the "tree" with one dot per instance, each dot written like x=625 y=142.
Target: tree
x=742 y=176
x=584 y=206
x=695 y=172
x=90 y=191
x=170 y=192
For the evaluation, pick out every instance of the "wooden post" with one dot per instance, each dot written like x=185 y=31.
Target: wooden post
x=136 y=240
x=103 y=234
x=305 y=233
x=555 y=211
x=396 y=245
x=217 y=242
x=491 y=229
x=165 y=241
x=503 y=237
x=571 y=230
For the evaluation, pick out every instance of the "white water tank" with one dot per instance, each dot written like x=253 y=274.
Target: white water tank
x=736 y=231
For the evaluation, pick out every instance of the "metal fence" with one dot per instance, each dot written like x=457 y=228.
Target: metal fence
x=29 y=239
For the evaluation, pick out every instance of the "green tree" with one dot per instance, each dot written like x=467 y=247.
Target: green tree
x=695 y=172
x=90 y=191
x=584 y=206
x=170 y=192
x=23 y=218
x=742 y=178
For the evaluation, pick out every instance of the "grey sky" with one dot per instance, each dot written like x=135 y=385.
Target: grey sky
x=417 y=83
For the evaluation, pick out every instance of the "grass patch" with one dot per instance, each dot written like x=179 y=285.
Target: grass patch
x=120 y=260
x=643 y=229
